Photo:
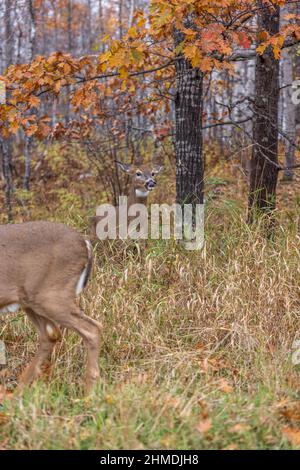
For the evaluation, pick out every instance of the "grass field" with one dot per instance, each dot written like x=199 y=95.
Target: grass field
x=196 y=347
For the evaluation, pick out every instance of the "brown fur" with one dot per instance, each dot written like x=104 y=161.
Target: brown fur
x=140 y=176
x=40 y=265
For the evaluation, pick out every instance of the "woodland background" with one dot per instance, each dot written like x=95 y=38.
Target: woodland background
x=197 y=348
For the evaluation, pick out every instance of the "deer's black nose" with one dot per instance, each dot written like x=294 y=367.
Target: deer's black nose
x=150 y=184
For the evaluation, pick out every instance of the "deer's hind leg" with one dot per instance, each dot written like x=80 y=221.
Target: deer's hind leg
x=49 y=334
x=89 y=330
x=66 y=313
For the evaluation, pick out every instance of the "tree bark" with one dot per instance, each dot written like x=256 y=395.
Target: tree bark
x=289 y=108
x=6 y=168
x=66 y=105
x=297 y=71
x=297 y=77
x=188 y=136
x=264 y=160
x=6 y=143
x=121 y=19
x=31 y=15
x=289 y=115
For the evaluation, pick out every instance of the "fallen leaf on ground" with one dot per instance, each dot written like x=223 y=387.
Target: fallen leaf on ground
x=291 y=411
x=231 y=447
x=292 y=435
x=3 y=418
x=4 y=394
x=239 y=428
x=3 y=444
x=204 y=426
x=225 y=386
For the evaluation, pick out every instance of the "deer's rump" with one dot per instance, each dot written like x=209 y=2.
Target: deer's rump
x=41 y=257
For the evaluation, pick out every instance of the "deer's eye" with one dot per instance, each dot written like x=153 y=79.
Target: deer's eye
x=139 y=173
x=153 y=173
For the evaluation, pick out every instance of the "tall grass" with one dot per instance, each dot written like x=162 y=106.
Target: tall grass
x=196 y=347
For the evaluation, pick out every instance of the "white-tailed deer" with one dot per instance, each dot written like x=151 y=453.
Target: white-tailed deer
x=142 y=182
x=43 y=267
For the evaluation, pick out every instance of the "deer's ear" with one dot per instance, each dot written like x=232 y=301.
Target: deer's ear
x=157 y=169
x=124 y=166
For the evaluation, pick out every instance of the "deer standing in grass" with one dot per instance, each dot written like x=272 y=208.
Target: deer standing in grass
x=142 y=182
x=44 y=266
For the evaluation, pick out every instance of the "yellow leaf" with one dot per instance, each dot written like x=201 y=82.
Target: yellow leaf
x=105 y=38
x=277 y=52
x=34 y=101
x=57 y=86
x=141 y=22
x=132 y=32
x=118 y=59
x=261 y=49
x=124 y=85
x=14 y=126
x=192 y=52
x=104 y=57
x=123 y=72
x=67 y=69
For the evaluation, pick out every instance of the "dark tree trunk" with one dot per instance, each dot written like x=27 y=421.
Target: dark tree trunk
x=297 y=71
x=6 y=168
x=188 y=139
x=297 y=77
x=264 y=160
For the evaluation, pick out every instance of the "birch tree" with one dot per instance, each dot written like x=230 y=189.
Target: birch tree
x=264 y=160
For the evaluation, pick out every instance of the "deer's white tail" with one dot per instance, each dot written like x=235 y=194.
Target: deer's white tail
x=43 y=265
x=84 y=276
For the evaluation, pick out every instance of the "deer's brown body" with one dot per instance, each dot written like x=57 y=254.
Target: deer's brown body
x=142 y=182
x=43 y=267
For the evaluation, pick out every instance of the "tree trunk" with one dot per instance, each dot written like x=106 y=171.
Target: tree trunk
x=121 y=19
x=188 y=139
x=297 y=77
x=131 y=11
x=89 y=32
x=264 y=160
x=6 y=168
x=31 y=14
x=6 y=143
x=27 y=156
x=289 y=115
x=297 y=71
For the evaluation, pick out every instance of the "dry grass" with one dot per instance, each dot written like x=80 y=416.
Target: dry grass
x=196 y=348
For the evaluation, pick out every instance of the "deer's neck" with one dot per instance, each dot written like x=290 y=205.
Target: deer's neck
x=136 y=196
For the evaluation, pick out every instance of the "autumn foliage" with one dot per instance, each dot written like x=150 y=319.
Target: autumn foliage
x=215 y=33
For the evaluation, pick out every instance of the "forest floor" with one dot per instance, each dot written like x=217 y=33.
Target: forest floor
x=196 y=346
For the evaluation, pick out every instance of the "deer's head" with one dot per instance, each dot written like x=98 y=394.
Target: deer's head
x=143 y=178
